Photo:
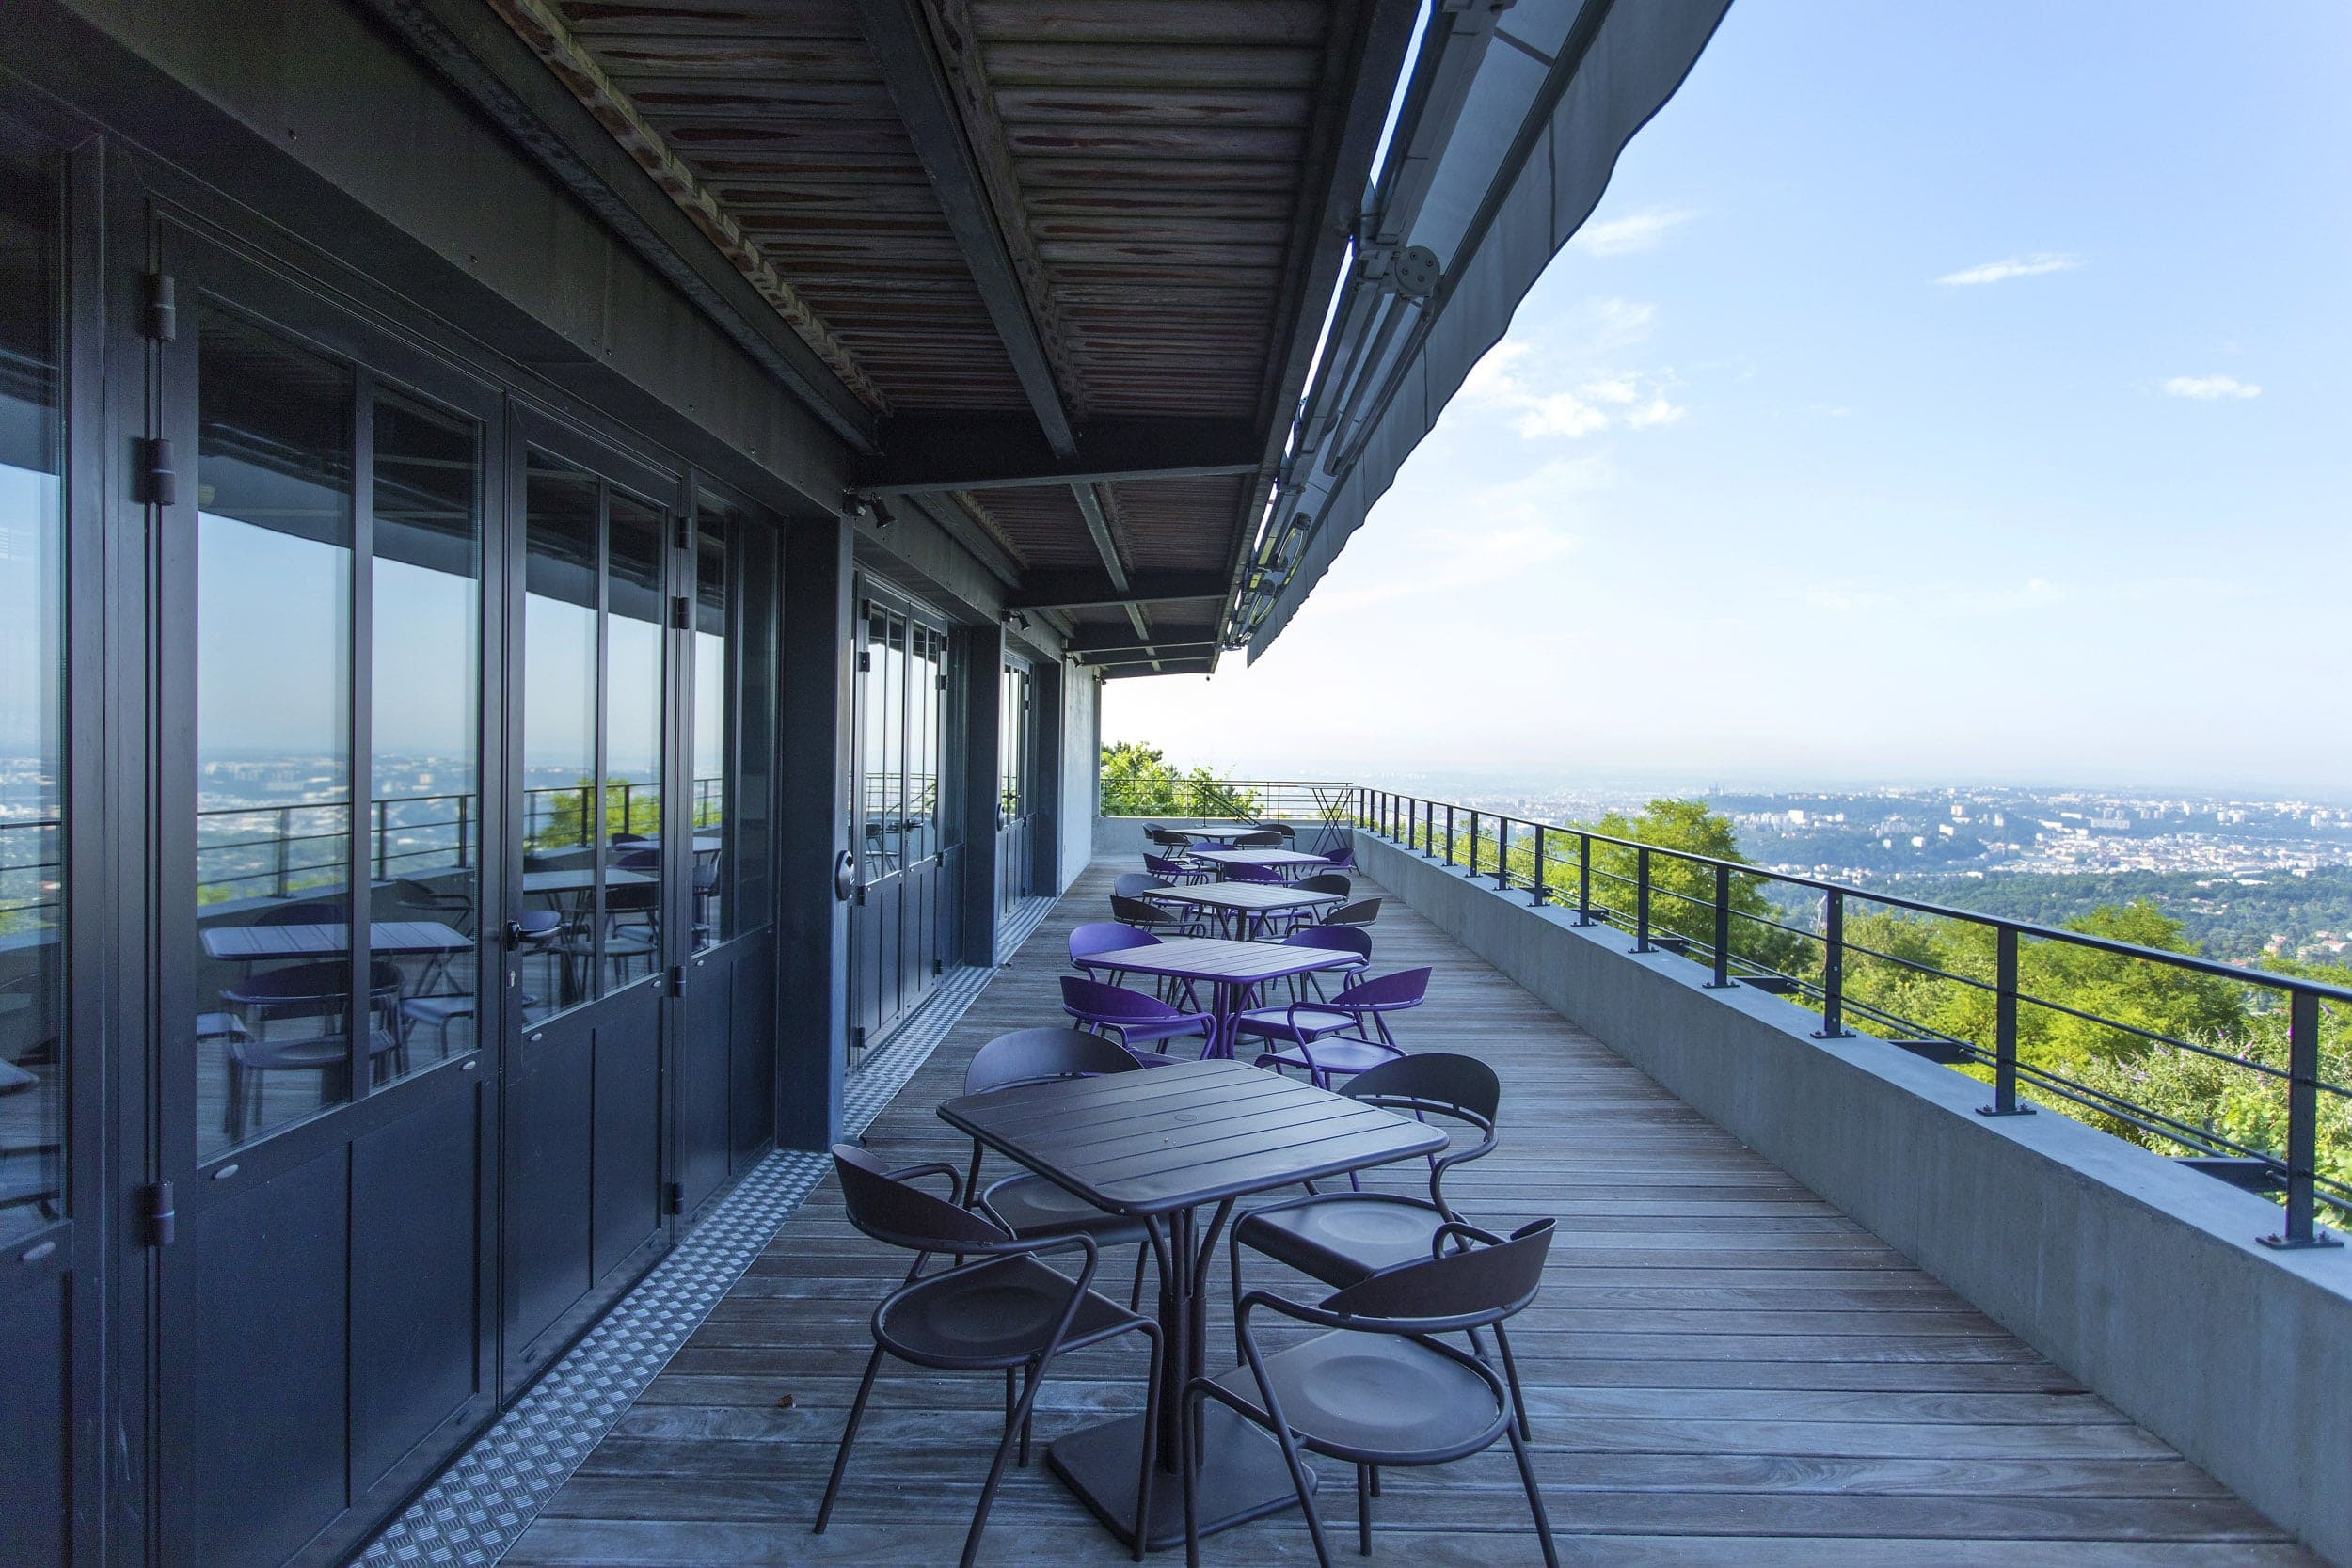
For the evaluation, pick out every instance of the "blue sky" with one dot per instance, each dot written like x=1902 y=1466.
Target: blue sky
x=1941 y=394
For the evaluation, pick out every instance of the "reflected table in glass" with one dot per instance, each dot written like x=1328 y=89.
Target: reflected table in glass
x=268 y=943
x=1160 y=1146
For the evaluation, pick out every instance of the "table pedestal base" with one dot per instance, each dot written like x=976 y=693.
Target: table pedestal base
x=1241 y=1478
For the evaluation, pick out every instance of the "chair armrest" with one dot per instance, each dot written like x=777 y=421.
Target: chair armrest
x=936 y=1168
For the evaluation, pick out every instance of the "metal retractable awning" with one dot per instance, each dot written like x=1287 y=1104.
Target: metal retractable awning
x=1513 y=123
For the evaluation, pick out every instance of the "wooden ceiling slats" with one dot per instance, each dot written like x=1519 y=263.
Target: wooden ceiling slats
x=1151 y=151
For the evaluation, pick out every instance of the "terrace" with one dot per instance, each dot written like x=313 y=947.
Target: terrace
x=1722 y=1368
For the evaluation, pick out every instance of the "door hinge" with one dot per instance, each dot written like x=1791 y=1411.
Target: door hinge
x=163 y=307
x=685 y=533
x=163 y=475
x=681 y=612
x=943 y=683
x=162 y=1222
x=939 y=967
x=857 y=1037
x=675 y=1200
x=678 y=979
x=864 y=661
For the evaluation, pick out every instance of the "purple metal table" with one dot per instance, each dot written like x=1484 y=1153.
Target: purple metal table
x=1233 y=970
x=1245 y=904
x=1160 y=1146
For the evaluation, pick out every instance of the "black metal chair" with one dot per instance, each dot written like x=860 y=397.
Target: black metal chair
x=1344 y=1238
x=1379 y=1387
x=1028 y=1205
x=1363 y=912
x=997 y=1310
x=1264 y=838
x=1134 y=884
x=1154 y=918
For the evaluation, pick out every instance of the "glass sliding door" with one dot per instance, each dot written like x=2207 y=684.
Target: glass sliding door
x=318 y=714
x=898 y=929
x=1015 y=721
x=725 y=1091
x=592 y=910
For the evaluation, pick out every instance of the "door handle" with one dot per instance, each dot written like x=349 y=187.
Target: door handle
x=513 y=935
x=844 y=877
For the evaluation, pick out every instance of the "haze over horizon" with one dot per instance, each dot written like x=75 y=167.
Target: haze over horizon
x=1939 y=396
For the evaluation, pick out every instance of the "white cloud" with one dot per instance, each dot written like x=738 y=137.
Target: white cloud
x=1632 y=233
x=2210 y=389
x=1558 y=383
x=1455 y=545
x=1656 y=412
x=1560 y=414
x=2013 y=266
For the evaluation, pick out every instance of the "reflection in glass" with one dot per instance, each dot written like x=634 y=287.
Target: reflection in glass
x=712 y=765
x=747 y=905
x=273 y=727
x=873 y=710
x=32 y=681
x=559 y=830
x=630 y=937
x=1011 y=743
x=426 y=832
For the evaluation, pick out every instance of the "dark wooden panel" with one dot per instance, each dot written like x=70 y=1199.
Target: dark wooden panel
x=255 y=1411
x=544 y=1227
x=627 y=1205
x=33 y=1417
x=706 y=1039
x=416 y=1280
x=752 y=1052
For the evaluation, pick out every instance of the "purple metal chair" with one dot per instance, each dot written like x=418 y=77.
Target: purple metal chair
x=1336 y=939
x=998 y=1309
x=1242 y=871
x=1343 y=858
x=1106 y=936
x=1179 y=872
x=1133 y=1017
x=1341 y=1037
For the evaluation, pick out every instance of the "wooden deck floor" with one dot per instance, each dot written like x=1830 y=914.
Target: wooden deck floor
x=1724 y=1370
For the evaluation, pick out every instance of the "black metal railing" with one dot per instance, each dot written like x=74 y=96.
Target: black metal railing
x=1229 y=799
x=1699 y=907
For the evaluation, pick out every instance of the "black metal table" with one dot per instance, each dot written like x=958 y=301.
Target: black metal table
x=1232 y=971
x=1245 y=903
x=1161 y=1144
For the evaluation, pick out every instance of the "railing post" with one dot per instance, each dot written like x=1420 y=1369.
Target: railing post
x=283 y=828
x=465 y=841
x=1723 y=930
x=2005 y=1028
x=1640 y=899
x=1473 y=861
x=1833 y=969
x=1583 y=879
x=2302 y=1127
x=380 y=844
x=1448 y=832
x=1502 y=853
x=1539 y=866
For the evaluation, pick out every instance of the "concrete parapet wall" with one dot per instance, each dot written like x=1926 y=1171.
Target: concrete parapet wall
x=2142 y=1279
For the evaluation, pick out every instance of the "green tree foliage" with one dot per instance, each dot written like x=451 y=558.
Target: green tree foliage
x=1140 y=781
x=1682 y=892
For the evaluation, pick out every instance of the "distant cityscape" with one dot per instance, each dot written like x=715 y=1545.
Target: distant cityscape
x=2246 y=876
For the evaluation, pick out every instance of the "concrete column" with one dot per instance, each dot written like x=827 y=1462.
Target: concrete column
x=980 y=667
x=1048 y=682
x=814 y=734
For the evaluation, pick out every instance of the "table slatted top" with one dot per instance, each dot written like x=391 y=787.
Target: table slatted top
x=1245 y=895
x=1258 y=857
x=237 y=944
x=580 y=878
x=1193 y=1133
x=1221 y=962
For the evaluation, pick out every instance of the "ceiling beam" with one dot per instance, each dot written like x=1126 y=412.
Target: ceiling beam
x=990 y=452
x=1173 y=647
x=970 y=172
x=1079 y=590
x=1166 y=667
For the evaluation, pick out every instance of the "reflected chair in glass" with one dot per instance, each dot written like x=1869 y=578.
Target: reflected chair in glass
x=321 y=991
x=1378 y=1388
x=1343 y=1238
x=999 y=1308
x=532 y=934
x=1134 y=1018
x=1338 y=1038
x=446 y=905
x=1028 y=1205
